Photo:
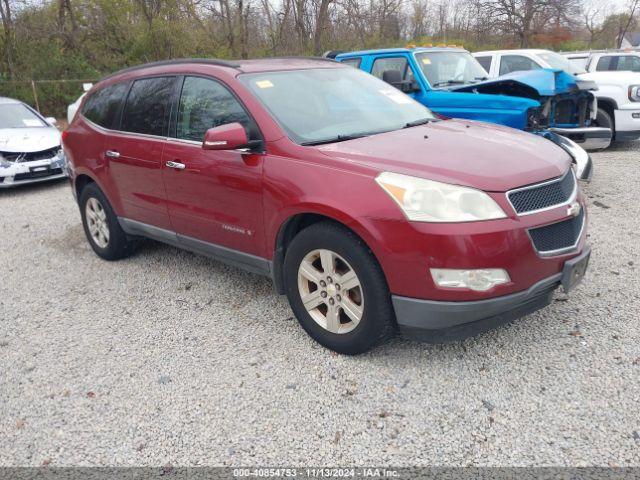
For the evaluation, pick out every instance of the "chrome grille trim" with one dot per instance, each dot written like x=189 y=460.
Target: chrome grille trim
x=570 y=200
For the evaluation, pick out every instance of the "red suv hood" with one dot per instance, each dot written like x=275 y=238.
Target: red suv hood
x=479 y=155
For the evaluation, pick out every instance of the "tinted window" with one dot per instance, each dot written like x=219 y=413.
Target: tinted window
x=485 y=62
x=353 y=62
x=400 y=64
x=605 y=64
x=147 y=107
x=205 y=104
x=516 y=63
x=619 y=63
x=629 y=63
x=103 y=106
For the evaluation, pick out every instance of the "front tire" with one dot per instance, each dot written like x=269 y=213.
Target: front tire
x=337 y=289
x=604 y=120
x=101 y=225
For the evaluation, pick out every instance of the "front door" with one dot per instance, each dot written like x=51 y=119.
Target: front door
x=214 y=197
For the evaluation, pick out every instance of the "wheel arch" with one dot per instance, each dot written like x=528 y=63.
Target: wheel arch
x=297 y=222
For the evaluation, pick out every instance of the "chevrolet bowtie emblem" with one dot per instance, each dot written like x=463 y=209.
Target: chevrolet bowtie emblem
x=574 y=209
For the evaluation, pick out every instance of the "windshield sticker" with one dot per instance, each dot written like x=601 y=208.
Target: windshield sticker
x=395 y=96
x=264 y=84
x=30 y=122
x=426 y=61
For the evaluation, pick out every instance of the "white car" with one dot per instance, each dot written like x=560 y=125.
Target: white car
x=618 y=91
x=29 y=146
x=73 y=108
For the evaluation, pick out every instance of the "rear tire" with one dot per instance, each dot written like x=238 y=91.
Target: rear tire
x=350 y=318
x=101 y=225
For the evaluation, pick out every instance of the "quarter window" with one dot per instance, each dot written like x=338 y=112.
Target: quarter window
x=103 y=106
x=206 y=104
x=517 y=63
x=148 y=105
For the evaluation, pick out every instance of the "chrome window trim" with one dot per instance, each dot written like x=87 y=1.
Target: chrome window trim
x=571 y=199
x=559 y=251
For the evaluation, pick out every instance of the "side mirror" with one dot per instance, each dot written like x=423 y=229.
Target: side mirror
x=226 y=137
x=51 y=121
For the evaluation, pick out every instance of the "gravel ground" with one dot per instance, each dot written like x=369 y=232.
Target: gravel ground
x=171 y=358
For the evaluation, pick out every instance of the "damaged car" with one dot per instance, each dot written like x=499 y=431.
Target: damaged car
x=452 y=83
x=30 y=148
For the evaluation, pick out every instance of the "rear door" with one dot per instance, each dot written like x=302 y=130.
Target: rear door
x=215 y=200
x=134 y=153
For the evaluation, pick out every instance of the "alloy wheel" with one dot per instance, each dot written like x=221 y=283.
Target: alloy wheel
x=97 y=222
x=330 y=291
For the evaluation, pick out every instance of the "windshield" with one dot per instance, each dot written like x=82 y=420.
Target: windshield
x=16 y=115
x=555 y=60
x=334 y=104
x=450 y=68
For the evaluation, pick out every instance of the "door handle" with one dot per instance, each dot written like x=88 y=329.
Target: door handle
x=112 y=154
x=176 y=165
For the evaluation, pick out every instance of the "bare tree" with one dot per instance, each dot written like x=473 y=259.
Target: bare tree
x=7 y=28
x=632 y=8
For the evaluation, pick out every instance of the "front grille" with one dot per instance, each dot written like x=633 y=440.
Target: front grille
x=571 y=111
x=543 y=195
x=32 y=175
x=558 y=237
x=30 y=156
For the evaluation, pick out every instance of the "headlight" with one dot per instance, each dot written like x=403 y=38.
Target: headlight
x=634 y=93
x=424 y=200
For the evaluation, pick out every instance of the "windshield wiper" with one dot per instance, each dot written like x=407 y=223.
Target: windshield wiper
x=337 y=138
x=422 y=121
x=481 y=79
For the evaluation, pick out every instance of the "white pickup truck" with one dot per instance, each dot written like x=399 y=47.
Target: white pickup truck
x=617 y=75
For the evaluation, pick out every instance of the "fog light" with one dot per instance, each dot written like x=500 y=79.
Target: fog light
x=477 y=280
x=635 y=115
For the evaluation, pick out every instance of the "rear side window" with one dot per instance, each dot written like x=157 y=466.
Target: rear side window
x=353 y=62
x=103 y=106
x=148 y=105
x=485 y=62
x=205 y=104
x=517 y=63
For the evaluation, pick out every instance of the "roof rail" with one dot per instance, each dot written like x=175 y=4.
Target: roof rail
x=180 y=61
x=300 y=57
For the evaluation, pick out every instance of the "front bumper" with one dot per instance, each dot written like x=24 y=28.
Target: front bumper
x=24 y=173
x=581 y=159
x=439 y=322
x=627 y=120
x=589 y=138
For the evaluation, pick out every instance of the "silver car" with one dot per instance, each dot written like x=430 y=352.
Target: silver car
x=30 y=148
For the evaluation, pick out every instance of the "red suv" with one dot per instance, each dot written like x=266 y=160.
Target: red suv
x=368 y=212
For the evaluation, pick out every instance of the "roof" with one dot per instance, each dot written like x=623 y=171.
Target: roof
x=379 y=51
x=243 y=66
x=6 y=100
x=515 y=50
